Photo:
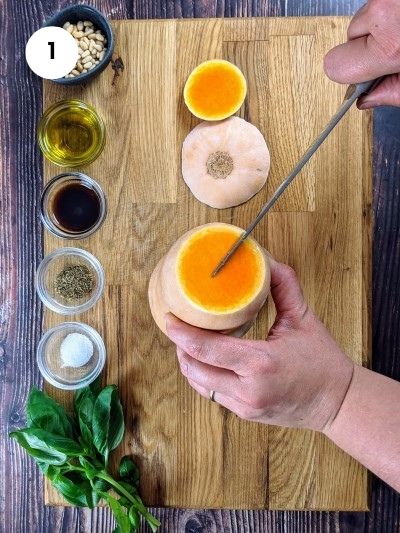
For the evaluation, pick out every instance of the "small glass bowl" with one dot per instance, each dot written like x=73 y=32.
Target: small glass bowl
x=56 y=262
x=54 y=185
x=65 y=123
x=50 y=362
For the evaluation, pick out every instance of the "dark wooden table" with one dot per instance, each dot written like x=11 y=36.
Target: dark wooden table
x=21 y=497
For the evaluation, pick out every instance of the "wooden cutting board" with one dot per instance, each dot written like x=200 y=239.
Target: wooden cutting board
x=194 y=453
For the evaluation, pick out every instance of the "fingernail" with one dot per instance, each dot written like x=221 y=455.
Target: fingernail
x=364 y=106
x=184 y=369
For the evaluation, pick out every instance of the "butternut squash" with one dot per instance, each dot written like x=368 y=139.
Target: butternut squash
x=182 y=283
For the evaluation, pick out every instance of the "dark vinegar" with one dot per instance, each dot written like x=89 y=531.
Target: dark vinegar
x=76 y=208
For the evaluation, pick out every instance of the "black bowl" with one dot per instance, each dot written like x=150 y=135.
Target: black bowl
x=82 y=12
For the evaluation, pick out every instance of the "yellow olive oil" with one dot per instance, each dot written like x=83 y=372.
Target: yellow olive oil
x=71 y=133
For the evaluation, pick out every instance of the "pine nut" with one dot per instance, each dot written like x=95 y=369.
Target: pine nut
x=91 y=46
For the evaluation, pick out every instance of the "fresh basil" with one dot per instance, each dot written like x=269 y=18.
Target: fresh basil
x=108 y=421
x=85 y=417
x=76 y=493
x=45 y=413
x=42 y=440
x=122 y=519
x=129 y=471
x=134 y=517
x=47 y=455
x=73 y=452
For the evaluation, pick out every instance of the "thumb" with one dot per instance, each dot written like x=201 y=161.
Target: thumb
x=286 y=291
x=359 y=60
x=387 y=93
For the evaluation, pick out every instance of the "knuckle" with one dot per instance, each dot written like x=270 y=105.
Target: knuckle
x=195 y=348
x=289 y=272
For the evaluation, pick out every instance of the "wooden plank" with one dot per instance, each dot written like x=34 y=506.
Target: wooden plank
x=193 y=453
x=289 y=123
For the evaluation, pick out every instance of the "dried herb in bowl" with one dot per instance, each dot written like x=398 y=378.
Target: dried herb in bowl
x=73 y=452
x=74 y=282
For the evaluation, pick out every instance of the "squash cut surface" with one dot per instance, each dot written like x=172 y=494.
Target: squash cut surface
x=235 y=285
x=215 y=90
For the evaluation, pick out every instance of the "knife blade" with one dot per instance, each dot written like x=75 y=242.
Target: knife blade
x=352 y=94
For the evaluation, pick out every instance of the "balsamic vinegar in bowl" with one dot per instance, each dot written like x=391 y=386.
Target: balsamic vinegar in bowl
x=73 y=205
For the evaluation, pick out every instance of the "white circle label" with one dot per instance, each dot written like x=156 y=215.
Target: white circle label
x=51 y=52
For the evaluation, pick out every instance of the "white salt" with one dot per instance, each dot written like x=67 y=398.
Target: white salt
x=76 y=350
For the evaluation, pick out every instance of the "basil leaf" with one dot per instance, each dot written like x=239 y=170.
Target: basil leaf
x=119 y=514
x=129 y=471
x=95 y=386
x=48 y=470
x=43 y=441
x=134 y=518
x=43 y=454
x=45 y=413
x=85 y=416
x=108 y=421
x=76 y=491
x=99 y=486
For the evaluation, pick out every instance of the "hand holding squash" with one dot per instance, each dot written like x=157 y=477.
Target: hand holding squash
x=298 y=377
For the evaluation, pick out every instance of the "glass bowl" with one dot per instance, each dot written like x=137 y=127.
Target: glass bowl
x=71 y=133
x=49 y=285
x=56 y=184
x=51 y=365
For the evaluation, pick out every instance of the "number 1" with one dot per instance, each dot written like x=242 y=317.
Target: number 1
x=51 y=44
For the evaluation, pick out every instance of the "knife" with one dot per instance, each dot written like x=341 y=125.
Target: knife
x=352 y=94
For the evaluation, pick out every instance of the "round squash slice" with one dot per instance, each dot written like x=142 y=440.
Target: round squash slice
x=215 y=90
x=183 y=285
x=225 y=163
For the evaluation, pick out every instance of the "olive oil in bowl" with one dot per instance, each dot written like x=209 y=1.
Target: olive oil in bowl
x=71 y=133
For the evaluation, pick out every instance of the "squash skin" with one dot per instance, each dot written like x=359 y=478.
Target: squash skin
x=165 y=295
x=250 y=155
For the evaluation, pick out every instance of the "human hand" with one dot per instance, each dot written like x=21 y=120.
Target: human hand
x=372 y=50
x=298 y=377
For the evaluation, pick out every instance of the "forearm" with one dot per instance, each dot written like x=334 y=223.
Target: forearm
x=367 y=425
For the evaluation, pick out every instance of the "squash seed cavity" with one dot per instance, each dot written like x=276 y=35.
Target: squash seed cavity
x=219 y=165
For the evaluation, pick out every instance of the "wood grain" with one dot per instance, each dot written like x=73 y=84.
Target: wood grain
x=21 y=499
x=193 y=453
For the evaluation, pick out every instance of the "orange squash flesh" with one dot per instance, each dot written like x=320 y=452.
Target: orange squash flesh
x=235 y=285
x=215 y=90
